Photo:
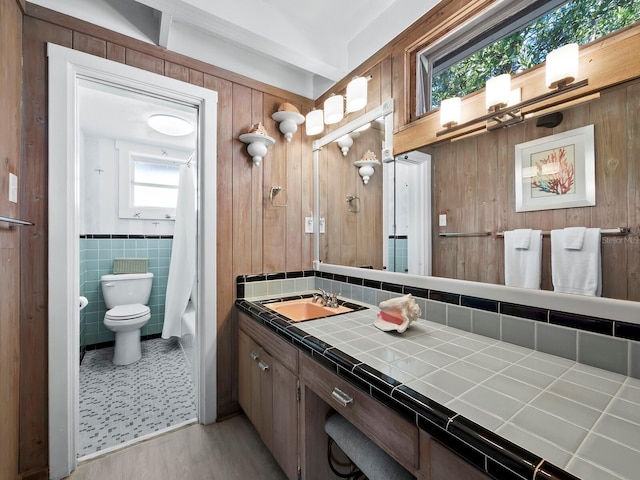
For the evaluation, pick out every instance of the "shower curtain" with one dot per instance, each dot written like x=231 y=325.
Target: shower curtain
x=182 y=269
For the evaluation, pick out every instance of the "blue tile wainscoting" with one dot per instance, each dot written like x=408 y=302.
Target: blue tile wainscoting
x=398 y=254
x=96 y=259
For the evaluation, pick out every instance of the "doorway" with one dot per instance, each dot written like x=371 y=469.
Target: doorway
x=67 y=70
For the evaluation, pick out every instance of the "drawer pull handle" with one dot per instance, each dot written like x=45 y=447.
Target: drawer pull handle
x=253 y=355
x=263 y=366
x=341 y=397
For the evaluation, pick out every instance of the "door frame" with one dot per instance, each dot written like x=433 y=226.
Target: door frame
x=66 y=67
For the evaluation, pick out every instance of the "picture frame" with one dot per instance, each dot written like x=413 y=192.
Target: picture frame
x=557 y=171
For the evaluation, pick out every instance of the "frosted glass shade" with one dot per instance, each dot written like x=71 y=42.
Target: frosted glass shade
x=562 y=65
x=450 y=111
x=333 y=109
x=170 y=125
x=314 y=122
x=498 y=91
x=356 y=94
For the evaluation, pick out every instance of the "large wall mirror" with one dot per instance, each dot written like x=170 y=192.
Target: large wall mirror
x=472 y=183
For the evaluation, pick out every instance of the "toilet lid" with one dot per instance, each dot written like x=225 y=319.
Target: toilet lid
x=127 y=311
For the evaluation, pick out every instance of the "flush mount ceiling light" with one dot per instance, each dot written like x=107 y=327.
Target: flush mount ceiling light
x=170 y=125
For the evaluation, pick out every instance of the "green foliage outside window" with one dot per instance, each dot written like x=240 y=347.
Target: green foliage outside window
x=578 y=21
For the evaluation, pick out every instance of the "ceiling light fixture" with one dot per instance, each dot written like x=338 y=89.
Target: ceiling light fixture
x=170 y=125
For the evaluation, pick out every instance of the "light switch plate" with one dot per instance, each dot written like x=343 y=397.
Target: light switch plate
x=13 y=188
x=308 y=224
x=322 y=225
x=443 y=220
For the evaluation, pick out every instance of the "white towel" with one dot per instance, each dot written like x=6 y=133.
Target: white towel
x=521 y=238
x=577 y=271
x=574 y=237
x=522 y=267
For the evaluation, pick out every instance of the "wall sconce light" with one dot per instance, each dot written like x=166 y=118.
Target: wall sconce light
x=257 y=142
x=289 y=118
x=365 y=166
x=561 y=72
x=450 y=110
x=345 y=142
x=315 y=122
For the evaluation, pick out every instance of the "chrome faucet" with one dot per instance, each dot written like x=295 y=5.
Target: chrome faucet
x=326 y=299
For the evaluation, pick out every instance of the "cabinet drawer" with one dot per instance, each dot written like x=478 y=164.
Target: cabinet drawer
x=386 y=428
x=278 y=348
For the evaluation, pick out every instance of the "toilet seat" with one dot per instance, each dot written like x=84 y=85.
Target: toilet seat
x=127 y=312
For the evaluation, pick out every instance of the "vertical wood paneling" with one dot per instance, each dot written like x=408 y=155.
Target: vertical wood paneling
x=306 y=155
x=633 y=189
x=115 y=52
x=256 y=193
x=294 y=211
x=90 y=45
x=490 y=205
x=10 y=132
x=34 y=246
x=179 y=72
x=144 y=61
x=197 y=78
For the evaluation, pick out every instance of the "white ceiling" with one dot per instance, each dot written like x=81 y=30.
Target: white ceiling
x=300 y=46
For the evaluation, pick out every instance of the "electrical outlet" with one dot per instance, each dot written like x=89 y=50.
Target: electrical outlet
x=322 y=226
x=13 y=188
x=308 y=224
x=443 y=220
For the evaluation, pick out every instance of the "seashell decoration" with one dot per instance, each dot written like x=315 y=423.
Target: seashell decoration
x=258 y=129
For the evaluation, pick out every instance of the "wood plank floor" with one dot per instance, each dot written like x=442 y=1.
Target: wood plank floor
x=222 y=451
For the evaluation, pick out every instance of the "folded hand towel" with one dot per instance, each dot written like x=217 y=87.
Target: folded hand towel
x=573 y=237
x=521 y=238
x=522 y=267
x=577 y=271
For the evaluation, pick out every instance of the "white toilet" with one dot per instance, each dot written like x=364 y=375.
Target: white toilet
x=126 y=296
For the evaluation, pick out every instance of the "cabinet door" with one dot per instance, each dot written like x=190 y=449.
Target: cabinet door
x=285 y=420
x=262 y=397
x=244 y=373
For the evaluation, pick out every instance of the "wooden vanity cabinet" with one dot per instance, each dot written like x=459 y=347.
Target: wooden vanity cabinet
x=268 y=391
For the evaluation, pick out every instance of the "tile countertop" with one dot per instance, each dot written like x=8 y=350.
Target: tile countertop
x=582 y=419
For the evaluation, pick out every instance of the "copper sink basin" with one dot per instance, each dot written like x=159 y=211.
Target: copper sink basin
x=304 y=309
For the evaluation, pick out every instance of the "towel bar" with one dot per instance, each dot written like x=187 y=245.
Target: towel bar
x=464 y=234
x=603 y=231
x=14 y=221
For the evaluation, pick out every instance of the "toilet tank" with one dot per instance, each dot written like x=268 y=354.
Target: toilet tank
x=126 y=288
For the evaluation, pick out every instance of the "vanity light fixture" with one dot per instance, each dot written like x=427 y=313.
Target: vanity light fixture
x=170 y=125
x=257 y=142
x=357 y=94
x=289 y=118
x=315 y=122
x=333 y=109
x=561 y=72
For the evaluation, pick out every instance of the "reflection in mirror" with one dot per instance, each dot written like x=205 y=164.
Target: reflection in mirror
x=350 y=212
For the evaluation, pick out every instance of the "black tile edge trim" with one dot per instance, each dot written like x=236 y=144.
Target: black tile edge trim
x=446 y=297
x=392 y=287
x=376 y=378
x=325 y=362
x=471 y=455
x=423 y=406
x=299 y=274
x=630 y=331
x=339 y=278
x=372 y=284
x=240 y=292
x=499 y=471
x=417 y=292
x=254 y=278
x=341 y=359
x=479 y=303
x=327 y=275
x=395 y=405
x=353 y=380
x=504 y=452
x=549 y=471
x=523 y=311
x=276 y=276
x=121 y=236
x=355 y=281
x=581 y=322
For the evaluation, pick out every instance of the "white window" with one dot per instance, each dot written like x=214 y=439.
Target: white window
x=149 y=182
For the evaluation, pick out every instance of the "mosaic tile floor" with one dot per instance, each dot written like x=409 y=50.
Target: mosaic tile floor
x=121 y=403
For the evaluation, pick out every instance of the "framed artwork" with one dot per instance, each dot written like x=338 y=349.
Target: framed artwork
x=557 y=171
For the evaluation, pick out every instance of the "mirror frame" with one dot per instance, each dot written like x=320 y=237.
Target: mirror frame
x=386 y=111
x=613 y=309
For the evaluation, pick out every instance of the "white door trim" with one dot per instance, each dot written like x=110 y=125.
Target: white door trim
x=65 y=68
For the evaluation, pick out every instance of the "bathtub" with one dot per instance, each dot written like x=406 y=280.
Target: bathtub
x=187 y=342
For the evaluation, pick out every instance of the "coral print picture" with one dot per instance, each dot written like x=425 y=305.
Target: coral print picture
x=557 y=171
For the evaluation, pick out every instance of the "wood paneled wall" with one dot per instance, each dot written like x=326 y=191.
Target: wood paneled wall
x=10 y=148
x=474 y=184
x=253 y=235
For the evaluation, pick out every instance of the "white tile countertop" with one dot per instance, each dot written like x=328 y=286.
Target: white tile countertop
x=580 y=418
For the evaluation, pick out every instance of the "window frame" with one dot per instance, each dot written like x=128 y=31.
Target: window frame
x=128 y=153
